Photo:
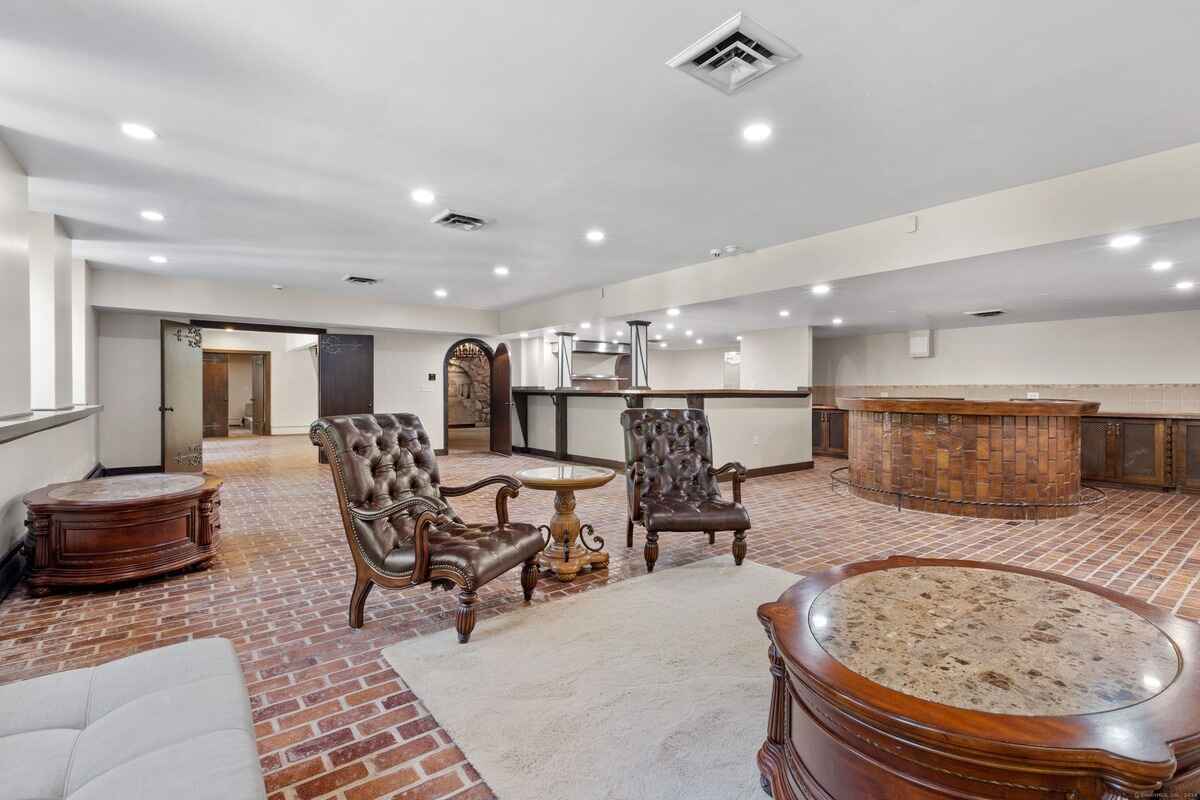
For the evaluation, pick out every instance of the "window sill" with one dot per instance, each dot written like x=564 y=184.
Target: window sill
x=39 y=421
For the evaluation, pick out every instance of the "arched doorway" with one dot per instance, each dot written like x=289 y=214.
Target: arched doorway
x=475 y=401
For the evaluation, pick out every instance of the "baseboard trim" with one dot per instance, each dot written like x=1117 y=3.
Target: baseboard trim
x=778 y=469
x=441 y=451
x=535 y=452
x=615 y=466
x=95 y=472
x=146 y=470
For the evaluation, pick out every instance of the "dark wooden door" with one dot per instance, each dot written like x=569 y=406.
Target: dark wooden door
x=501 y=402
x=345 y=375
x=1142 y=444
x=216 y=394
x=1095 y=435
x=259 y=394
x=181 y=404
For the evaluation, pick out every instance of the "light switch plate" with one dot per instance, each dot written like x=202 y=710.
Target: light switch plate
x=1033 y=395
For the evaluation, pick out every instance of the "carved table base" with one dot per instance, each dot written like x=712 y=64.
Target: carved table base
x=568 y=551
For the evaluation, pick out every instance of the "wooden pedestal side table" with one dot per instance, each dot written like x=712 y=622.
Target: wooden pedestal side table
x=916 y=679
x=118 y=529
x=568 y=549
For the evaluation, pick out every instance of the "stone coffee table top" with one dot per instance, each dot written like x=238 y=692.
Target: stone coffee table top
x=998 y=642
x=125 y=487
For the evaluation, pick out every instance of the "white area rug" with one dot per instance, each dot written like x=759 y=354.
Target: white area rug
x=655 y=687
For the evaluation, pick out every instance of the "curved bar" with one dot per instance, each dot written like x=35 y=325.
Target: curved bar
x=1009 y=459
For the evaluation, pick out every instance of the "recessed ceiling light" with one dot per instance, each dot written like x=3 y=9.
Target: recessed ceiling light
x=440 y=293
x=500 y=270
x=585 y=325
x=551 y=331
x=1162 y=266
x=524 y=334
x=277 y=287
x=620 y=333
x=158 y=259
x=756 y=132
x=672 y=312
x=670 y=326
x=1184 y=286
x=662 y=344
x=595 y=236
x=1125 y=241
x=658 y=336
x=423 y=197
x=699 y=341
x=614 y=341
x=229 y=327
x=783 y=312
x=152 y=216
x=820 y=288
x=687 y=333
x=136 y=130
x=739 y=338
x=837 y=320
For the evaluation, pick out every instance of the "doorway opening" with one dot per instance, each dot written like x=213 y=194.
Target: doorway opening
x=237 y=393
x=476 y=401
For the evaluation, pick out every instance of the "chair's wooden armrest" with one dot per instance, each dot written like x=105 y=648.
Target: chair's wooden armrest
x=410 y=504
x=509 y=487
x=739 y=475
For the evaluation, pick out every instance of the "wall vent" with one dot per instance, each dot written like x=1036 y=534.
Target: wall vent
x=985 y=313
x=458 y=221
x=736 y=52
x=359 y=279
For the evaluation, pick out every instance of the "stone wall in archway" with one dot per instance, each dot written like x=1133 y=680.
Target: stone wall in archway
x=468 y=387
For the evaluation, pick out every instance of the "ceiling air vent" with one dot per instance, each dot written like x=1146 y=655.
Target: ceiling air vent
x=987 y=312
x=458 y=221
x=360 y=280
x=735 y=53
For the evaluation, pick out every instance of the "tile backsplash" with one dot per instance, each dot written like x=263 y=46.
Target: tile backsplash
x=1113 y=397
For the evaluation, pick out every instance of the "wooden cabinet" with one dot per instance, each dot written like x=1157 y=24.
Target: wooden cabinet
x=1127 y=450
x=830 y=432
x=1187 y=454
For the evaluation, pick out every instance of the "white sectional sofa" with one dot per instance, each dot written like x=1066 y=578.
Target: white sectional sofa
x=167 y=724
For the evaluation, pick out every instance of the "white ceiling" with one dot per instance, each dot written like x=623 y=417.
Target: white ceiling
x=292 y=132
x=1066 y=280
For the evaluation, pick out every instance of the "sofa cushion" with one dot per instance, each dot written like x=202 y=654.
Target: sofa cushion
x=173 y=722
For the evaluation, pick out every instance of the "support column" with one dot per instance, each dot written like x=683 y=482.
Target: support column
x=566 y=349
x=14 y=291
x=639 y=347
x=49 y=313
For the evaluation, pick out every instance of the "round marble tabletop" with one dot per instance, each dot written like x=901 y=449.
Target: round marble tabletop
x=125 y=487
x=992 y=641
x=564 y=476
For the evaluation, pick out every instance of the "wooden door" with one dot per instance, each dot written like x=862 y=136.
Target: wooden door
x=501 y=402
x=345 y=375
x=181 y=407
x=1142 y=448
x=1094 y=435
x=259 y=394
x=216 y=394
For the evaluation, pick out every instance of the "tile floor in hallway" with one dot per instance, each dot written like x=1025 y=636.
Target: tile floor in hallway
x=333 y=719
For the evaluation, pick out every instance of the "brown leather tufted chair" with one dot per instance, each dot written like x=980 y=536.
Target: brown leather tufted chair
x=671 y=483
x=400 y=527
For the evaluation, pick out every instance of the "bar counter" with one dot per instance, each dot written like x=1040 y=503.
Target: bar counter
x=768 y=430
x=1015 y=459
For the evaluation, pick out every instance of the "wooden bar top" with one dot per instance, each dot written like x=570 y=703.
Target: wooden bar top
x=949 y=405
x=799 y=392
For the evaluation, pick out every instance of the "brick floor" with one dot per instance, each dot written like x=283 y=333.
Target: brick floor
x=334 y=721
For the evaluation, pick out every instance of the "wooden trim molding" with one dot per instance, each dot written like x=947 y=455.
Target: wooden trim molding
x=145 y=470
x=43 y=421
x=950 y=405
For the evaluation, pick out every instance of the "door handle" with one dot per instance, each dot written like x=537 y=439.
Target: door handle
x=165 y=408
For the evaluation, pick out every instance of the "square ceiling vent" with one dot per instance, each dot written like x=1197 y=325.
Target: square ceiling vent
x=735 y=53
x=458 y=221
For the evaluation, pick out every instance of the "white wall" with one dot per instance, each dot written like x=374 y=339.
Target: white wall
x=83 y=336
x=1148 y=348
x=129 y=355
x=777 y=359
x=403 y=362
x=14 y=278
x=686 y=369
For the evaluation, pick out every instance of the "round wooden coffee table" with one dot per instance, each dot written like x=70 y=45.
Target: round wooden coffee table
x=568 y=549
x=919 y=678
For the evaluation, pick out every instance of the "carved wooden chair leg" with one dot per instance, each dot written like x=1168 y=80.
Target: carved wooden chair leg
x=464 y=619
x=651 y=550
x=529 y=578
x=358 y=599
x=629 y=533
x=712 y=537
x=739 y=546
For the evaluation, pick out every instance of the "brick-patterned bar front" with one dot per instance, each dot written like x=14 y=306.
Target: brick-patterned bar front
x=927 y=455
